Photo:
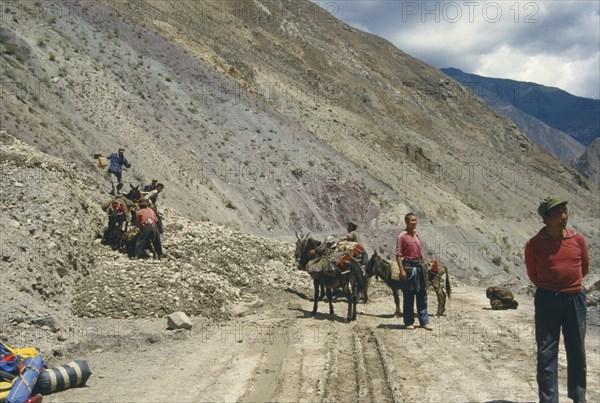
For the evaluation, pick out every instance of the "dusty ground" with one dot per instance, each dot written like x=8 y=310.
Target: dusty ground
x=279 y=353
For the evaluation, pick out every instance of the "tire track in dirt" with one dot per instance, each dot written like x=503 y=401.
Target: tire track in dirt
x=314 y=366
x=348 y=366
x=362 y=375
x=332 y=380
x=376 y=385
x=391 y=375
x=290 y=383
x=267 y=375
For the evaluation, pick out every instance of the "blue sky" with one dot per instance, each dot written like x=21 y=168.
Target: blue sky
x=554 y=43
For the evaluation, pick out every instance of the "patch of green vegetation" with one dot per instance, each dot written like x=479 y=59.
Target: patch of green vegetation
x=10 y=48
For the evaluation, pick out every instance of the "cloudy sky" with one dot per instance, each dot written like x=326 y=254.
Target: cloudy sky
x=552 y=42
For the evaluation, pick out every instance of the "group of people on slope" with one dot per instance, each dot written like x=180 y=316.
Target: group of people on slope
x=556 y=260
x=146 y=218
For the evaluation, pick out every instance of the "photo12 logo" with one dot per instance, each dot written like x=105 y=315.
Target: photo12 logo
x=469 y=11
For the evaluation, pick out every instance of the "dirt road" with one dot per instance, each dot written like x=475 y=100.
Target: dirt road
x=279 y=353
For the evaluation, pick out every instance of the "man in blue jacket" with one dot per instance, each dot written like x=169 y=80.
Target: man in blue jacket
x=117 y=160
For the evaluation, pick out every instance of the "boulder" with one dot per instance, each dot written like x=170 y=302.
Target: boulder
x=178 y=320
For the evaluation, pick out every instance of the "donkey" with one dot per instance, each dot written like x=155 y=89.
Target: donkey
x=134 y=193
x=305 y=251
x=117 y=225
x=376 y=266
x=346 y=275
x=382 y=269
x=119 y=210
x=435 y=275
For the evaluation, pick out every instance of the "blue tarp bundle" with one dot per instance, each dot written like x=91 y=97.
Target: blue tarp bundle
x=24 y=384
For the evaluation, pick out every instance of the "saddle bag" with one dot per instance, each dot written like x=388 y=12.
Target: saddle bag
x=339 y=258
x=501 y=298
x=321 y=265
x=353 y=248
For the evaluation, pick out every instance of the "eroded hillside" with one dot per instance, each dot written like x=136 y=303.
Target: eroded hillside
x=274 y=116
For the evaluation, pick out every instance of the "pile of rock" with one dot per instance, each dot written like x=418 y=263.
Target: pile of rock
x=207 y=270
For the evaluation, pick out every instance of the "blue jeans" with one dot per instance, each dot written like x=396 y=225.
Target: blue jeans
x=408 y=305
x=554 y=311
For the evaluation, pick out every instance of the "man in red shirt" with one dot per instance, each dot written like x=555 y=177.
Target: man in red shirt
x=147 y=221
x=410 y=262
x=557 y=259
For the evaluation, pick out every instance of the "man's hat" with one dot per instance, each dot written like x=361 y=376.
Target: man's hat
x=121 y=149
x=143 y=203
x=353 y=223
x=549 y=203
x=154 y=180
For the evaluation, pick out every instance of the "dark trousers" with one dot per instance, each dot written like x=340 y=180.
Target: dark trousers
x=119 y=176
x=552 y=312
x=148 y=234
x=408 y=305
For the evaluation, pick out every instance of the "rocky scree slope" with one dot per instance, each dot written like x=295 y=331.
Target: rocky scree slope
x=279 y=118
x=54 y=269
x=264 y=117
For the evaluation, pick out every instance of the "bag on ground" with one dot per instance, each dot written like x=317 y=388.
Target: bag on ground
x=67 y=376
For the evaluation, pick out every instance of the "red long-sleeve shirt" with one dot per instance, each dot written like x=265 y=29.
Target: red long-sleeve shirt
x=557 y=264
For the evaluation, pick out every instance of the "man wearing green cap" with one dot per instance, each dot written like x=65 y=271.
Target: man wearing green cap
x=557 y=259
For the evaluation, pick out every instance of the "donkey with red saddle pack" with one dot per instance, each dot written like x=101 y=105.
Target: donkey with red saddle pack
x=121 y=211
x=331 y=270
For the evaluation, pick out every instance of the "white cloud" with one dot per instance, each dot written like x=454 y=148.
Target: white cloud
x=575 y=76
x=554 y=43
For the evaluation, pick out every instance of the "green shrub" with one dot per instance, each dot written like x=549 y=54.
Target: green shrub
x=10 y=48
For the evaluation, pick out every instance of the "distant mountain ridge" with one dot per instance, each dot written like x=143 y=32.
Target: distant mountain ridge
x=558 y=143
x=589 y=162
x=576 y=116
